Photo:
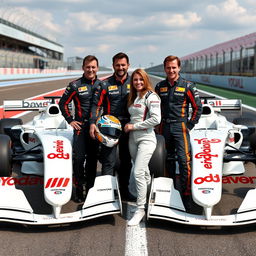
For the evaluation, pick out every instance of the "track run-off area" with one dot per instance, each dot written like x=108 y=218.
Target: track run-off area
x=110 y=235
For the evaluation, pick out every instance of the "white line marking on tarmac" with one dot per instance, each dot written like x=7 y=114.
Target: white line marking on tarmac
x=136 y=239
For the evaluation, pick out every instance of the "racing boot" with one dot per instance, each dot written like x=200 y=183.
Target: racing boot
x=137 y=217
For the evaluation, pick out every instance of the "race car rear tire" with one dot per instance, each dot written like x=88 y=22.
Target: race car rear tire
x=8 y=123
x=5 y=156
x=157 y=161
x=251 y=124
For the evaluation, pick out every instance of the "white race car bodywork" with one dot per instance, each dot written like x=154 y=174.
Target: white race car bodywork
x=102 y=199
x=209 y=140
x=165 y=203
x=50 y=133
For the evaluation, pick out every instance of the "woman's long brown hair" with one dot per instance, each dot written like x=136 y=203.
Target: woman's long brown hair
x=147 y=85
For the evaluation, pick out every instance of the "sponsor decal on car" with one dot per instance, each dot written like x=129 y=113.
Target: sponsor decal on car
x=206 y=191
x=206 y=151
x=239 y=179
x=209 y=178
x=215 y=103
x=35 y=104
x=163 y=190
x=57 y=182
x=57 y=192
x=23 y=181
x=58 y=146
x=104 y=189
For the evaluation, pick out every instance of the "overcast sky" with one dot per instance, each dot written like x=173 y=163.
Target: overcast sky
x=147 y=30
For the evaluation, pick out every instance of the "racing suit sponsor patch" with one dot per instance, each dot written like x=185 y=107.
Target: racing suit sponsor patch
x=178 y=94
x=163 y=89
x=112 y=87
x=179 y=89
x=154 y=103
x=115 y=92
x=82 y=89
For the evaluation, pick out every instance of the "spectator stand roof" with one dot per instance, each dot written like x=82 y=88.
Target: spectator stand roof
x=235 y=45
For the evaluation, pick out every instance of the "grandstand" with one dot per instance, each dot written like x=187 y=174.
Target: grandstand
x=22 y=48
x=236 y=57
x=231 y=65
x=27 y=54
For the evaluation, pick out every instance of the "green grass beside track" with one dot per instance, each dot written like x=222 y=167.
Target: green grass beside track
x=247 y=99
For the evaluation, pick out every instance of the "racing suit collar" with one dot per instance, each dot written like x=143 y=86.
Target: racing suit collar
x=174 y=83
x=88 y=81
x=121 y=81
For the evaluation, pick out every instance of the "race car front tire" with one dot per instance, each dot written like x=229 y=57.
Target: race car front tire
x=157 y=161
x=7 y=123
x=5 y=156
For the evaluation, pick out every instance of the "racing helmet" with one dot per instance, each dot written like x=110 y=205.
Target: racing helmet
x=108 y=130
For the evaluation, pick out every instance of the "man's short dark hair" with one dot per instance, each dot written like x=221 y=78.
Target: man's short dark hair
x=90 y=58
x=172 y=58
x=119 y=56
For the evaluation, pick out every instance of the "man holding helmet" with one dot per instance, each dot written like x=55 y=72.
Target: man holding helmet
x=111 y=95
x=108 y=130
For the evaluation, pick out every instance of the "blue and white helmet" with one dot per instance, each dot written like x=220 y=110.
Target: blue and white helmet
x=108 y=130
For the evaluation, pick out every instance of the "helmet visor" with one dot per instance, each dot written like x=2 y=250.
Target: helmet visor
x=110 y=131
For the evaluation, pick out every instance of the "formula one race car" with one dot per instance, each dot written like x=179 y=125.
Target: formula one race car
x=219 y=148
x=43 y=148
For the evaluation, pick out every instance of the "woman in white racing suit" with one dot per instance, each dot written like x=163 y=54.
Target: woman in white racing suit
x=144 y=108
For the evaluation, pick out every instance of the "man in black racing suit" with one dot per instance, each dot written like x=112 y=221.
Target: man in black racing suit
x=81 y=92
x=112 y=96
x=177 y=95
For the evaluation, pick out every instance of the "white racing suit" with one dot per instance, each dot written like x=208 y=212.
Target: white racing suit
x=145 y=115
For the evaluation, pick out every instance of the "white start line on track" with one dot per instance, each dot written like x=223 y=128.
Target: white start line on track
x=136 y=239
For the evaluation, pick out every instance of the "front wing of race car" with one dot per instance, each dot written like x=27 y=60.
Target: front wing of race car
x=103 y=199
x=165 y=203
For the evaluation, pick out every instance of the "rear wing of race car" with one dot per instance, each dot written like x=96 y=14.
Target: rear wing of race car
x=222 y=104
x=29 y=105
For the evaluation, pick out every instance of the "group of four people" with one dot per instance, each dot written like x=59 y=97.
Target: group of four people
x=140 y=109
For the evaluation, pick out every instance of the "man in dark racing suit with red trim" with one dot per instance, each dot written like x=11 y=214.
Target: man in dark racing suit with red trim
x=112 y=95
x=177 y=95
x=81 y=92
